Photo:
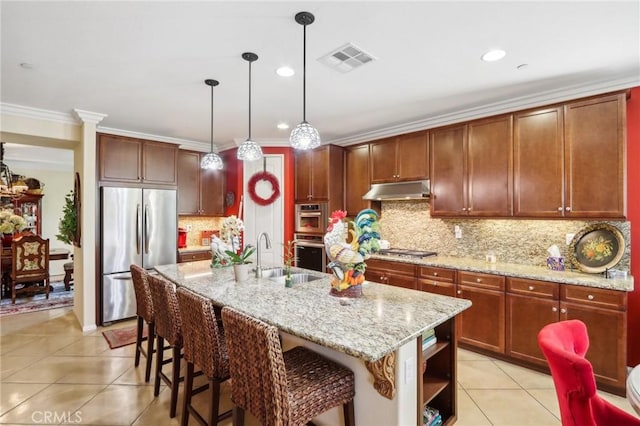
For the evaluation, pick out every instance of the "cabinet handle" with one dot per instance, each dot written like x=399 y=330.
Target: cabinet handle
x=530 y=288
x=563 y=311
x=567 y=209
x=464 y=209
x=590 y=297
x=554 y=309
x=435 y=283
x=478 y=280
x=435 y=274
x=459 y=291
x=559 y=209
x=468 y=209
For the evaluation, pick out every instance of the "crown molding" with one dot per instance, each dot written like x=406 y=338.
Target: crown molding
x=495 y=108
x=89 y=116
x=38 y=114
x=184 y=143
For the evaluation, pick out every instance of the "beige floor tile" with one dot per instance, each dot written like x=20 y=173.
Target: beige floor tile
x=85 y=346
x=157 y=412
x=465 y=355
x=46 y=345
x=124 y=351
x=13 y=364
x=548 y=398
x=483 y=375
x=58 y=400
x=525 y=377
x=115 y=405
x=122 y=324
x=18 y=323
x=469 y=414
x=618 y=401
x=97 y=370
x=47 y=370
x=135 y=375
x=512 y=407
x=15 y=341
x=14 y=394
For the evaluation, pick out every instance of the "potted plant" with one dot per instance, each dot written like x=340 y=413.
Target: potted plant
x=241 y=262
x=69 y=221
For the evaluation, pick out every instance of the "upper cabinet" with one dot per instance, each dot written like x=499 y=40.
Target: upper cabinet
x=594 y=146
x=136 y=161
x=401 y=158
x=319 y=175
x=471 y=169
x=356 y=179
x=200 y=192
x=538 y=162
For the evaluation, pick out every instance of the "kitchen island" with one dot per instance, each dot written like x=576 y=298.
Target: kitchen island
x=377 y=335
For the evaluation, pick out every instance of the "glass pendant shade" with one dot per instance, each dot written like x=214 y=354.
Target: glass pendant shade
x=249 y=151
x=304 y=136
x=211 y=161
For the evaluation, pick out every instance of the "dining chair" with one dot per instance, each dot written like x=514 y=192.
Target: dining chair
x=204 y=347
x=281 y=388
x=145 y=315
x=168 y=324
x=29 y=265
x=564 y=345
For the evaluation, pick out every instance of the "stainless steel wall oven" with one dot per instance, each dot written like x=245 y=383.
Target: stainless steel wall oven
x=310 y=252
x=311 y=218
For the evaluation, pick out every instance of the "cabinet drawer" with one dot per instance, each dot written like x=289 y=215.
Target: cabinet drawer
x=533 y=288
x=395 y=267
x=438 y=287
x=611 y=299
x=478 y=279
x=438 y=274
x=193 y=256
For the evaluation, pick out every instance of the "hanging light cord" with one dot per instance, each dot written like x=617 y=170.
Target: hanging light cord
x=249 y=100
x=212 y=118
x=304 y=73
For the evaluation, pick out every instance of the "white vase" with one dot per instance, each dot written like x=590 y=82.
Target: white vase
x=242 y=271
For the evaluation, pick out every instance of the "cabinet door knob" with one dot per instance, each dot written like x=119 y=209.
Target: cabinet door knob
x=563 y=311
x=559 y=209
x=590 y=297
x=478 y=280
x=567 y=209
x=554 y=309
x=459 y=291
x=435 y=283
x=530 y=288
x=435 y=274
x=464 y=209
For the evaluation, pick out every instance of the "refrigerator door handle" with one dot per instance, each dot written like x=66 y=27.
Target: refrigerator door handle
x=146 y=229
x=138 y=229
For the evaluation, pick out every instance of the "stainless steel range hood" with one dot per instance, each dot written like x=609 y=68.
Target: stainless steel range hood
x=414 y=190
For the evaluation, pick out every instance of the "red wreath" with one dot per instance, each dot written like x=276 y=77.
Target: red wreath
x=269 y=177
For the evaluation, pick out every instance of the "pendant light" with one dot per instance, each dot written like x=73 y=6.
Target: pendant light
x=249 y=150
x=304 y=136
x=211 y=161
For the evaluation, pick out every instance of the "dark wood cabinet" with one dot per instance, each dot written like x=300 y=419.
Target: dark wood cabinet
x=319 y=176
x=594 y=145
x=538 y=163
x=471 y=169
x=401 y=158
x=356 y=179
x=29 y=207
x=531 y=305
x=200 y=192
x=437 y=280
x=604 y=313
x=398 y=274
x=193 y=256
x=482 y=325
x=137 y=161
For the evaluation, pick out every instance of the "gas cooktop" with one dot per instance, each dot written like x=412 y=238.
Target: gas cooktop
x=407 y=253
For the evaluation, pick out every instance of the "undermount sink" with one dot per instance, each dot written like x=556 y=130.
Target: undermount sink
x=273 y=272
x=297 y=278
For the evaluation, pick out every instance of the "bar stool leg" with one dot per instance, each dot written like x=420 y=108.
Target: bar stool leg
x=175 y=381
x=159 y=360
x=151 y=337
x=188 y=388
x=138 y=340
x=349 y=414
x=238 y=416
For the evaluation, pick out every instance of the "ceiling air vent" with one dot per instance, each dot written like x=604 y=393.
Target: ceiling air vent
x=347 y=58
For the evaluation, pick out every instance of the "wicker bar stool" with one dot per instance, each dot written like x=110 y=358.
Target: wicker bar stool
x=204 y=346
x=144 y=311
x=289 y=388
x=168 y=327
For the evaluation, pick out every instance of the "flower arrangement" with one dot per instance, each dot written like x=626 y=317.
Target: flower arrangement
x=226 y=249
x=348 y=244
x=11 y=223
x=288 y=259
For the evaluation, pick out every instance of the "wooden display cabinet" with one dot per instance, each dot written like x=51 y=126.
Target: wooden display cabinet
x=29 y=207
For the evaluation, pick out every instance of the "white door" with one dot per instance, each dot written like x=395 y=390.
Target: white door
x=270 y=218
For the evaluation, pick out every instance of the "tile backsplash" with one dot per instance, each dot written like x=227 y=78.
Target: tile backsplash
x=198 y=224
x=408 y=224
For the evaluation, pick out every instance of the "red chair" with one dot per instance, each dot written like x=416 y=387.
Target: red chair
x=564 y=344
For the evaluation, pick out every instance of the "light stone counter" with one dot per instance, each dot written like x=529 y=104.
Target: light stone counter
x=369 y=327
x=520 y=271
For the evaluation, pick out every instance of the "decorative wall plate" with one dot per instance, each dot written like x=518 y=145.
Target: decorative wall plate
x=597 y=248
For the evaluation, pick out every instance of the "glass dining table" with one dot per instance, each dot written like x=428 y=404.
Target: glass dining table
x=633 y=388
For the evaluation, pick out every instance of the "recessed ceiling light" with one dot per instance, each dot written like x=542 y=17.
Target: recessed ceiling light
x=285 y=71
x=283 y=126
x=493 y=55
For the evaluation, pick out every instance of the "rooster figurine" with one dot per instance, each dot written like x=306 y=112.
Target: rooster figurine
x=348 y=244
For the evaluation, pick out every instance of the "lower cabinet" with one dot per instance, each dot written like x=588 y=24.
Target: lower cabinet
x=482 y=325
x=398 y=274
x=192 y=256
x=437 y=280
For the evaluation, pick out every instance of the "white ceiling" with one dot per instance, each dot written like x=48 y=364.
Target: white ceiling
x=143 y=63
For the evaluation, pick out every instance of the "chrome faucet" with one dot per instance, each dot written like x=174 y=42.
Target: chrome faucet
x=267 y=241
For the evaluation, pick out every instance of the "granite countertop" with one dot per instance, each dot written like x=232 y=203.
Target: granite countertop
x=369 y=327
x=517 y=270
x=189 y=249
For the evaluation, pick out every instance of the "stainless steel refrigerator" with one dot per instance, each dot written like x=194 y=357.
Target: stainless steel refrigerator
x=138 y=226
